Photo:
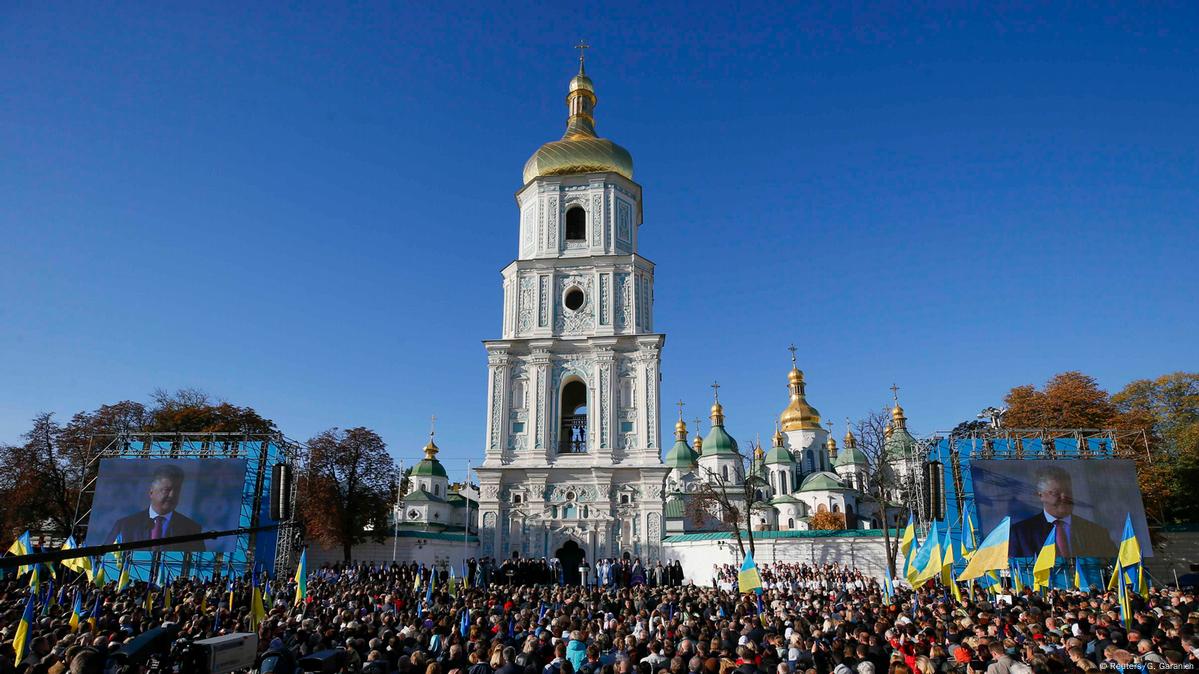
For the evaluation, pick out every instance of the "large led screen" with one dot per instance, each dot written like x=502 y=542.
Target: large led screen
x=149 y=499
x=1080 y=504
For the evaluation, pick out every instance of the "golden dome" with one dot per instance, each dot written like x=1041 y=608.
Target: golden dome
x=580 y=150
x=799 y=415
x=897 y=416
x=698 y=443
x=778 y=436
x=680 y=430
x=431 y=449
x=850 y=441
x=717 y=414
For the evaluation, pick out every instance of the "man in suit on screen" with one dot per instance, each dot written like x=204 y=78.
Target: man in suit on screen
x=1074 y=535
x=160 y=519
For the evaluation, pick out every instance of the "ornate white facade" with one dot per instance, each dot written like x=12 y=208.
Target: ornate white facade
x=572 y=450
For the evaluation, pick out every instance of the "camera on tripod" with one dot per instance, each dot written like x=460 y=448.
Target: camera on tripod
x=157 y=651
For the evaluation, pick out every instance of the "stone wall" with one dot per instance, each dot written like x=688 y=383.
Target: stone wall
x=700 y=553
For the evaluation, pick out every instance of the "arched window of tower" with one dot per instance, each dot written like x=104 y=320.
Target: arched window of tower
x=576 y=224
x=572 y=434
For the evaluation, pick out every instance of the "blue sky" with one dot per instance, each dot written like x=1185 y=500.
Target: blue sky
x=305 y=209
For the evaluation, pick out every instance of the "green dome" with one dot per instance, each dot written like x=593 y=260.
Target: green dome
x=899 y=445
x=719 y=442
x=822 y=481
x=779 y=455
x=428 y=468
x=680 y=456
x=850 y=456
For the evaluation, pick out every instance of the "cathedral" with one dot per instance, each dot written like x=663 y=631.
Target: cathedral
x=573 y=463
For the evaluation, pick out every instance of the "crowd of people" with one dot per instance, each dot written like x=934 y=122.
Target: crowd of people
x=808 y=619
x=611 y=573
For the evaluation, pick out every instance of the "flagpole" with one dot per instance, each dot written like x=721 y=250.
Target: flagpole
x=466 y=523
x=395 y=512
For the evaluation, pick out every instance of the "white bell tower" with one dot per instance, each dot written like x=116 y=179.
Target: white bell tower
x=573 y=445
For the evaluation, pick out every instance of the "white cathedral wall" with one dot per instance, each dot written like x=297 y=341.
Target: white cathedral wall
x=699 y=558
x=406 y=549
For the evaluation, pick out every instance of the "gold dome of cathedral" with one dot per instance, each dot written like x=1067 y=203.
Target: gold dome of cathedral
x=580 y=150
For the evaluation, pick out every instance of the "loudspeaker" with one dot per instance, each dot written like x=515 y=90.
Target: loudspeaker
x=933 y=488
x=281 y=492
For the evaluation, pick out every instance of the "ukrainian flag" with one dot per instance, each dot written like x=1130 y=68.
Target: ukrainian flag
x=1080 y=579
x=302 y=578
x=76 y=612
x=748 y=579
x=1046 y=559
x=257 y=610
x=1017 y=578
x=123 y=579
x=888 y=588
x=907 y=541
x=77 y=564
x=1130 y=549
x=947 y=567
x=20 y=642
x=22 y=546
x=1122 y=595
x=926 y=564
x=991 y=553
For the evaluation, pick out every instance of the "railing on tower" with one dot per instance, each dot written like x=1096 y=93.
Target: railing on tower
x=572 y=438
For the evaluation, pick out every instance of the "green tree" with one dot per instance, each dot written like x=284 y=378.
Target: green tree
x=347 y=488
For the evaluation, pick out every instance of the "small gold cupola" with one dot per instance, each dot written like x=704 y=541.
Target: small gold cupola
x=831 y=443
x=850 y=441
x=697 y=443
x=799 y=415
x=898 y=420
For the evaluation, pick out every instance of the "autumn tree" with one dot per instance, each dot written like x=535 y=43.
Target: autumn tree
x=193 y=411
x=882 y=481
x=1068 y=400
x=40 y=481
x=347 y=488
x=1168 y=407
x=827 y=521
x=728 y=502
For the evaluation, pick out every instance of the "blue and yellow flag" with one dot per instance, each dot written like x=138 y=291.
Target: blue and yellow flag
x=20 y=642
x=76 y=612
x=926 y=563
x=1046 y=560
x=991 y=554
x=947 y=567
x=257 y=610
x=1017 y=577
x=907 y=541
x=1080 y=578
x=22 y=546
x=302 y=578
x=1130 y=548
x=748 y=579
x=123 y=578
x=81 y=564
x=1122 y=595
x=888 y=588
